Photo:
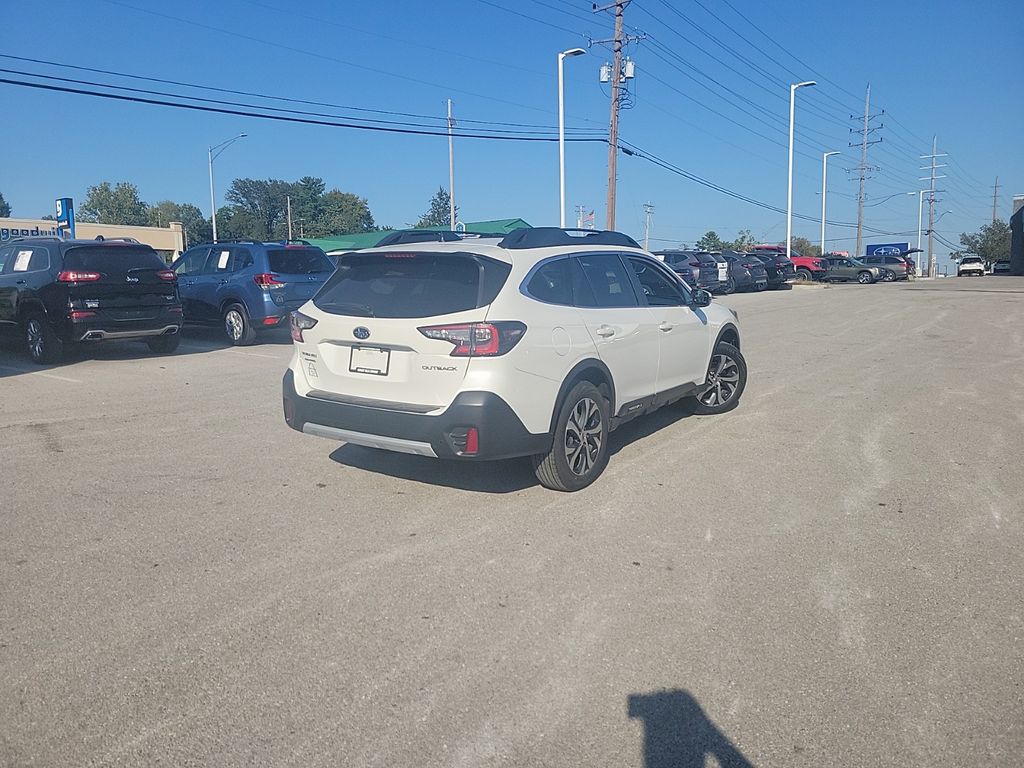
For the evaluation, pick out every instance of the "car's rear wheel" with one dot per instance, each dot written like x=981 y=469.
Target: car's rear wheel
x=864 y=278
x=889 y=276
x=164 y=345
x=579 y=451
x=726 y=380
x=730 y=286
x=804 y=274
x=238 y=326
x=42 y=343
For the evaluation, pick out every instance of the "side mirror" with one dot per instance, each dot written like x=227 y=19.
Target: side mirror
x=700 y=298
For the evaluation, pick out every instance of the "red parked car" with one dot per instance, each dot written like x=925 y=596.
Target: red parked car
x=807 y=267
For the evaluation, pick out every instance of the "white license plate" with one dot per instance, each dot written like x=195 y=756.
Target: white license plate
x=723 y=271
x=370 y=360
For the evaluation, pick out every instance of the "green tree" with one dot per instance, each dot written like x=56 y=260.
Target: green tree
x=438 y=214
x=197 y=226
x=711 y=242
x=263 y=203
x=341 y=213
x=119 y=204
x=744 y=241
x=991 y=242
x=5 y=207
x=804 y=247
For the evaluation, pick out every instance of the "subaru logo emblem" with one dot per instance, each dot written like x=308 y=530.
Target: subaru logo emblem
x=361 y=332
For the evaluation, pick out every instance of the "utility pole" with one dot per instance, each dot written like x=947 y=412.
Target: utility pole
x=648 y=210
x=931 y=178
x=617 y=78
x=288 y=199
x=863 y=168
x=995 y=200
x=451 y=168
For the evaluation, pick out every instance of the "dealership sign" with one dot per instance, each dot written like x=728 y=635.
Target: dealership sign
x=887 y=249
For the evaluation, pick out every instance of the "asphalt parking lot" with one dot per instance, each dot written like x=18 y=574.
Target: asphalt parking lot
x=828 y=576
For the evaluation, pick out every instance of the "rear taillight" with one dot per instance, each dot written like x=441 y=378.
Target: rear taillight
x=749 y=266
x=75 y=276
x=299 y=323
x=167 y=274
x=174 y=311
x=267 y=280
x=478 y=339
x=81 y=314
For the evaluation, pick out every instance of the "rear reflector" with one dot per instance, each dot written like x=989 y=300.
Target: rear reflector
x=270 y=320
x=80 y=314
x=472 y=442
x=75 y=276
x=174 y=311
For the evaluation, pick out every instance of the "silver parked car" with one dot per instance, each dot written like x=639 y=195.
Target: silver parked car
x=844 y=269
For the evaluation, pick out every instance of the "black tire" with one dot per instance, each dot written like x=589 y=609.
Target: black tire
x=889 y=276
x=164 y=345
x=711 y=401
x=238 y=326
x=579 y=450
x=43 y=345
x=804 y=274
x=730 y=286
x=864 y=278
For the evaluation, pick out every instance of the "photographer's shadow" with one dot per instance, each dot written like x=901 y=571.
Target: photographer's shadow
x=677 y=733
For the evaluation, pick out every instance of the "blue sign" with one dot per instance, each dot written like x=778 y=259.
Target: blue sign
x=887 y=249
x=66 y=215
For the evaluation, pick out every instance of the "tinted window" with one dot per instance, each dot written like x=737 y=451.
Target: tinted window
x=191 y=263
x=113 y=261
x=5 y=254
x=218 y=262
x=28 y=259
x=608 y=279
x=552 y=283
x=411 y=284
x=298 y=261
x=658 y=290
x=707 y=259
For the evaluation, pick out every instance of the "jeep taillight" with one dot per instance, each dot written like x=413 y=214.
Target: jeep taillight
x=167 y=274
x=299 y=323
x=77 y=276
x=477 y=339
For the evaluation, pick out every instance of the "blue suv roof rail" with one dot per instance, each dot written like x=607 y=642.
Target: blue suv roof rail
x=405 y=236
x=545 y=237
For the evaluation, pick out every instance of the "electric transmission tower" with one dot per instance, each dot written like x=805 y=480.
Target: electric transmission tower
x=863 y=169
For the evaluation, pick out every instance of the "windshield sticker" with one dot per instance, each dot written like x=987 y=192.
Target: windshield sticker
x=22 y=260
x=222 y=262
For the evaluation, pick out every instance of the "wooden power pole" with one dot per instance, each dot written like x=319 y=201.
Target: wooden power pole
x=616 y=83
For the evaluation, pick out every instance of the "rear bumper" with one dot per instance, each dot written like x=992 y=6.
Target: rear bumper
x=501 y=434
x=106 y=330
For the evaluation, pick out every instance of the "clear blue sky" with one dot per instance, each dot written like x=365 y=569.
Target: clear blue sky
x=936 y=67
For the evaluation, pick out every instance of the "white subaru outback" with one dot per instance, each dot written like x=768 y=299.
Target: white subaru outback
x=538 y=344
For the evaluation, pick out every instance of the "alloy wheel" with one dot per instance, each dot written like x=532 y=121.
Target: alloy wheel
x=584 y=436
x=723 y=380
x=863 y=278
x=234 y=324
x=34 y=338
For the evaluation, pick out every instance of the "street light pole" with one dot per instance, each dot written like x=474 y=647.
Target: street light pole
x=561 y=131
x=824 y=188
x=789 y=193
x=920 y=213
x=213 y=199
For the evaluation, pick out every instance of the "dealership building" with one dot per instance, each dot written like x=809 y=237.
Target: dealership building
x=169 y=240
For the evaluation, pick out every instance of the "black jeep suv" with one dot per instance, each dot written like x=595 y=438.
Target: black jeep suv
x=55 y=293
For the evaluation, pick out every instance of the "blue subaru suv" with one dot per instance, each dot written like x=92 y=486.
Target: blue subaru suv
x=248 y=286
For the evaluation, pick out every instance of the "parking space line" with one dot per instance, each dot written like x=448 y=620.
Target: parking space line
x=255 y=354
x=41 y=373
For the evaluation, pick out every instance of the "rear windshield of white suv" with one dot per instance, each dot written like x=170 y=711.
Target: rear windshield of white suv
x=411 y=285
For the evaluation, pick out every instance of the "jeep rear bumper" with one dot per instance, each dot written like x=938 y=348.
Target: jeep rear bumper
x=500 y=433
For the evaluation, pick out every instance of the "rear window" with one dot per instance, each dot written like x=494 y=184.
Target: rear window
x=707 y=259
x=112 y=260
x=298 y=261
x=411 y=284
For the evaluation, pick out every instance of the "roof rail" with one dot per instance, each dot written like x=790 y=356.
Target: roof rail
x=118 y=239
x=544 y=237
x=405 y=236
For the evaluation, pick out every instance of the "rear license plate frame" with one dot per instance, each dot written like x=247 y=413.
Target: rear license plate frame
x=368 y=360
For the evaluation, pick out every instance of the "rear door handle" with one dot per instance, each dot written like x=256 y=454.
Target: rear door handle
x=222 y=282
x=666 y=327
x=605 y=331
x=20 y=282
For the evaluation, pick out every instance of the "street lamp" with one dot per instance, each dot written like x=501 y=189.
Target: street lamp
x=789 y=194
x=213 y=200
x=561 y=132
x=824 y=175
